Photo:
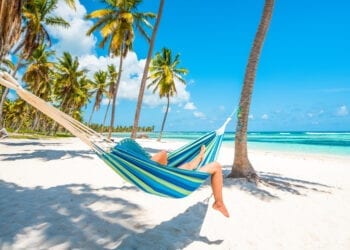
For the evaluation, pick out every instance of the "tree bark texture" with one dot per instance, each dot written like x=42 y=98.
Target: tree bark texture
x=241 y=165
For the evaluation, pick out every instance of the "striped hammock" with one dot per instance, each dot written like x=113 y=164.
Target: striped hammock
x=129 y=159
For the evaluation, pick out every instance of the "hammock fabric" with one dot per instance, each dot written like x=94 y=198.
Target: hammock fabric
x=129 y=159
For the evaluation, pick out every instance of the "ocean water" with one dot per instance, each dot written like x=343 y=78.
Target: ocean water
x=334 y=143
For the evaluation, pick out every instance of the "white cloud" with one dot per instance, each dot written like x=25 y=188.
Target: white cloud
x=251 y=117
x=191 y=81
x=342 y=111
x=199 y=114
x=190 y=106
x=74 y=38
x=265 y=117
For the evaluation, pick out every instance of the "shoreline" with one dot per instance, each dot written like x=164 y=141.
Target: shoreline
x=56 y=193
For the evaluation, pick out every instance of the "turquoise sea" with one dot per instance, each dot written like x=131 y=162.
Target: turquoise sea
x=334 y=143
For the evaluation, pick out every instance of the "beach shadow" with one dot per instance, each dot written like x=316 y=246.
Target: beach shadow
x=152 y=150
x=78 y=216
x=63 y=216
x=292 y=185
x=272 y=182
x=29 y=143
x=42 y=153
x=48 y=155
x=176 y=233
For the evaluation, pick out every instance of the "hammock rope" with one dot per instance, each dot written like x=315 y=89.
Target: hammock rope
x=128 y=159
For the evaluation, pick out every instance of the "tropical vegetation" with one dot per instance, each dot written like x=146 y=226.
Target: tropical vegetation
x=164 y=72
x=116 y=24
x=60 y=80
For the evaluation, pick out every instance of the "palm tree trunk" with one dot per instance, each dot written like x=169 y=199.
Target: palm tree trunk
x=115 y=91
x=145 y=71
x=164 y=119
x=105 y=117
x=92 y=112
x=241 y=165
x=10 y=28
x=36 y=120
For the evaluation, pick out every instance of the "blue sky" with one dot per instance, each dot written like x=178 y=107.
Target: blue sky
x=303 y=78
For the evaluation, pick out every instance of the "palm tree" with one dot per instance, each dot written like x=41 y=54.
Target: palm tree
x=99 y=89
x=145 y=71
x=112 y=77
x=116 y=26
x=36 y=15
x=11 y=13
x=241 y=165
x=5 y=65
x=164 y=72
x=80 y=97
x=10 y=25
x=38 y=76
x=71 y=85
x=38 y=72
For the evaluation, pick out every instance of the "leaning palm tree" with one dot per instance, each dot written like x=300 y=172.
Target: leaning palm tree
x=116 y=24
x=241 y=165
x=164 y=72
x=10 y=25
x=99 y=84
x=145 y=71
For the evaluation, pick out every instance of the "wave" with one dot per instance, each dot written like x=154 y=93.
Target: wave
x=327 y=133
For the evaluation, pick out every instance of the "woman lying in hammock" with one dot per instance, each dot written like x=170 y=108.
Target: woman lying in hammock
x=213 y=168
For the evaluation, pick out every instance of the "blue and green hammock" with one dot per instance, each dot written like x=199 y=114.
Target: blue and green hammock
x=129 y=159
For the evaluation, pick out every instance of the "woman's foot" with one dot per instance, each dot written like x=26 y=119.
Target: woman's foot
x=221 y=208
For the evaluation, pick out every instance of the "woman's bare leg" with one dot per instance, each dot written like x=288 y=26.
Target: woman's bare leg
x=195 y=162
x=161 y=157
x=214 y=168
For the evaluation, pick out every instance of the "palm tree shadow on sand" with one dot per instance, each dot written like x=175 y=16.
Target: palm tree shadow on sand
x=79 y=216
x=272 y=182
x=43 y=153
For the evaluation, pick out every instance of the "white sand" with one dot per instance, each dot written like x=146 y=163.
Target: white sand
x=57 y=194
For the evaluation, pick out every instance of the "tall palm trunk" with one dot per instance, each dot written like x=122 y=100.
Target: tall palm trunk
x=115 y=91
x=105 y=117
x=164 y=119
x=241 y=165
x=145 y=71
x=10 y=28
x=92 y=113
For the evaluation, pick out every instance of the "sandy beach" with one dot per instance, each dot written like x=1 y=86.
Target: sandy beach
x=56 y=194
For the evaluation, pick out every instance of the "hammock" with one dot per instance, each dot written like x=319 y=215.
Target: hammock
x=128 y=159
